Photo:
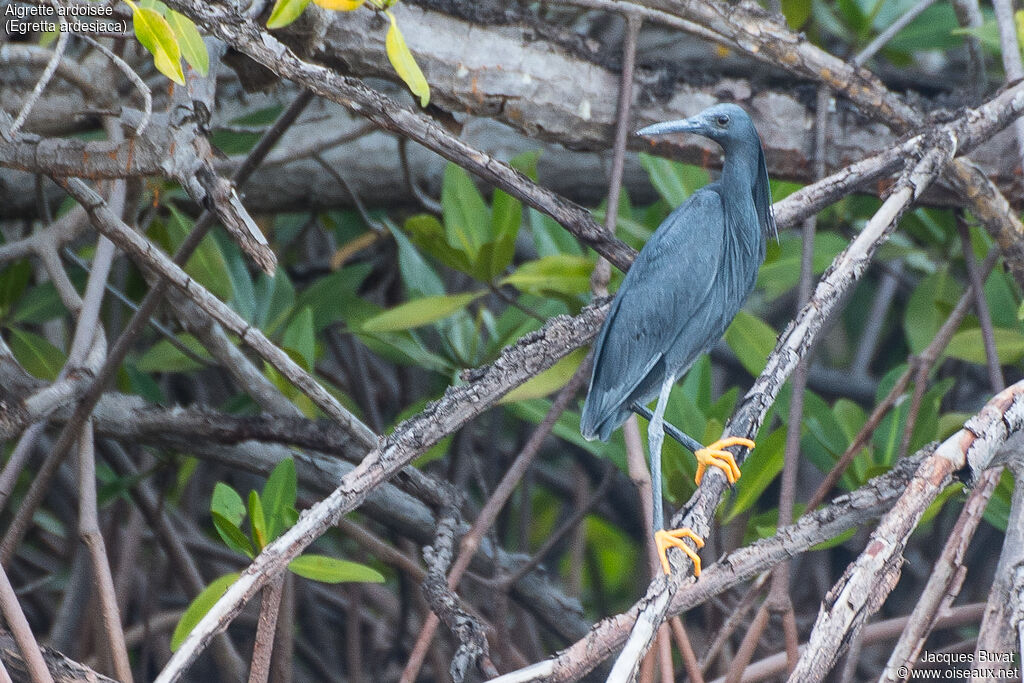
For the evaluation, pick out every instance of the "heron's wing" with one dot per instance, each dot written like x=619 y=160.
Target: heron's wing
x=663 y=300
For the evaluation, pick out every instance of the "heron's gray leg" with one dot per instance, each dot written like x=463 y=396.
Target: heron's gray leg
x=666 y=539
x=655 y=439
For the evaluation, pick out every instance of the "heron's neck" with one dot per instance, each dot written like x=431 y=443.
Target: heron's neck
x=739 y=170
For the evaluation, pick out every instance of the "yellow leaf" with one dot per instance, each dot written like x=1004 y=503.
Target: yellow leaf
x=156 y=35
x=340 y=5
x=405 y=64
x=192 y=46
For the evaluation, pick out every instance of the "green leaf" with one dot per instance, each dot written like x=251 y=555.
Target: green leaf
x=969 y=345
x=207 y=265
x=928 y=307
x=300 y=339
x=156 y=35
x=673 y=181
x=232 y=536
x=797 y=12
x=141 y=384
x=38 y=356
x=751 y=339
x=1001 y=299
x=279 y=495
x=419 y=312
x=166 y=357
x=466 y=216
x=226 y=502
x=193 y=49
x=404 y=63
x=835 y=541
x=507 y=217
x=696 y=385
x=759 y=470
x=850 y=417
x=258 y=521
x=427 y=233
x=406 y=349
x=550 y=238
x=13 y=281
x=555 y=274
x=987 y=33
x=39 y=304
x=285 y=12
x=419 y=277
x=781 y=273
x=552 y=379
x=334 y=295
x=276 y=299
x=932 y=30
x=330 y=570
x=199 y=607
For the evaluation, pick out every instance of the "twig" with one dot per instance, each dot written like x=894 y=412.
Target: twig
x=686 y=650
x=426 y=201
x=890 y=32
x=733 y=620
x=186 y=571
x=876 y=632
x=489 y=513
x=164 y=331
x=44 y=79
x=976 y=280
x=22 y=632
x=999 y=626
x=968 y=14
x=132 y=76
x=506 y=583
x=1010 y=51
x=89 y=532
x=270 y=602
x=945 y=580
x=446 y=605
x=16 y=462
x=135 y=326
x=602 y=271
x=382 y=550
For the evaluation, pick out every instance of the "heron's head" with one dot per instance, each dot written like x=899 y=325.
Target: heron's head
x=726 y=124
x=731 y=127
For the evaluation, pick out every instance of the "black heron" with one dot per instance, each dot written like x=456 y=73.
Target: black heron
x=679 y=296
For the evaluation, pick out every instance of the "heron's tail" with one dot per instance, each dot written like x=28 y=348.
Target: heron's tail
x=599 y=423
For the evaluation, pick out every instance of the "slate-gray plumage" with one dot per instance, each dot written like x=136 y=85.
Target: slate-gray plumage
x=681 y=293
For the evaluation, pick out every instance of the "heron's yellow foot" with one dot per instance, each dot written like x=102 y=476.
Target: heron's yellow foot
x=715 y=455
x=664 y=539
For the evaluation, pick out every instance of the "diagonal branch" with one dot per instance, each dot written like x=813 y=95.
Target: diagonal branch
x=532 y=354
x=869 y=580
x=246 y=36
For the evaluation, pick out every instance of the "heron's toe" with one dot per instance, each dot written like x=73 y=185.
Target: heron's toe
x=674 y=538
x=715 y=455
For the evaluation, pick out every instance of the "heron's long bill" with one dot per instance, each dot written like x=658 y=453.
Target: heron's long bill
x=693 y=125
